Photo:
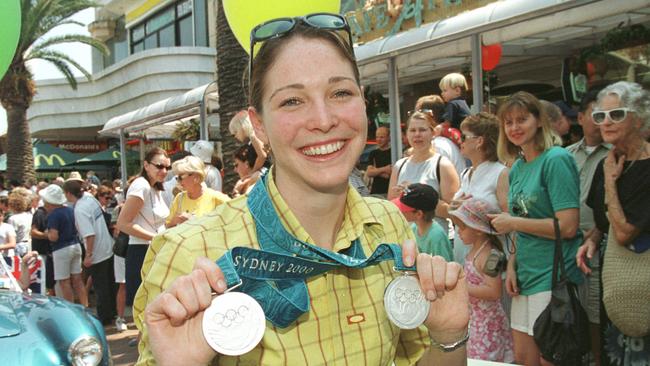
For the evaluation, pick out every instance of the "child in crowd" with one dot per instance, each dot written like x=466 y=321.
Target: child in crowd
x=453 y=87
x=490 y=338
x=418 y=205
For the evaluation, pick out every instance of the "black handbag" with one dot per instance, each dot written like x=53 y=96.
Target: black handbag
x=121 y=245
x=562 y=329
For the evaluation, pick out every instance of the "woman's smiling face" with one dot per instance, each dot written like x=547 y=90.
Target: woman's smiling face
x=314 y=114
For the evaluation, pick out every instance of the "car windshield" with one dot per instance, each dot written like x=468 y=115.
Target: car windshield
x=7 y=279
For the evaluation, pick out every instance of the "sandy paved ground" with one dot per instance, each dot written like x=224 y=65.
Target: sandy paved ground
x=118 y=342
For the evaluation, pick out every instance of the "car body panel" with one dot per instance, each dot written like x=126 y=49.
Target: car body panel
x=38 y=330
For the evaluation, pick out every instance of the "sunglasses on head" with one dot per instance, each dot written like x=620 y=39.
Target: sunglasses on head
x=616 y=115
x=427 y=111
x=161 y=166
x=464 y=137
x=281 y=26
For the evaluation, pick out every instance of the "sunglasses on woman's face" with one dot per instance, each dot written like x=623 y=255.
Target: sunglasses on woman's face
x=281 y=26
x=161 y=166
x=616 y=115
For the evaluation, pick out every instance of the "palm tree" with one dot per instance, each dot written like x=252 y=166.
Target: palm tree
x=17 y=88
x=232 y=62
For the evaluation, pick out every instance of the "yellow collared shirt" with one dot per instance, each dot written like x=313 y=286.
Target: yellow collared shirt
x=347 y=323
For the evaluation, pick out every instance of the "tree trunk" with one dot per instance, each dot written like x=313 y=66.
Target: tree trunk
x=16 y=94
x=20 y=159
x=232 y=62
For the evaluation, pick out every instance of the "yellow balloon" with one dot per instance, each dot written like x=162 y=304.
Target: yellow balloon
x=244 y=15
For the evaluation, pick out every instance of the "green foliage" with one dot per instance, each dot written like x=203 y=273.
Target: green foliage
x=618 y=38
x=187 y=131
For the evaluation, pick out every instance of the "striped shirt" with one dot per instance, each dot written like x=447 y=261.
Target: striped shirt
x=347 y=323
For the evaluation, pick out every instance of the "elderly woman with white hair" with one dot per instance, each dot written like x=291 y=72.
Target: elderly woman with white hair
x=619 y=197
x=240 y=126
x=195 y=199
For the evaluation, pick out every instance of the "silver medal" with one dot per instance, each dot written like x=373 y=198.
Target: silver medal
x=233 y=324
x=405 y=304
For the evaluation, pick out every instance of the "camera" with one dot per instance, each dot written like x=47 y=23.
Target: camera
x=496 y=263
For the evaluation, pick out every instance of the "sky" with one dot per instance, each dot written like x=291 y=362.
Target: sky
x=80 y=52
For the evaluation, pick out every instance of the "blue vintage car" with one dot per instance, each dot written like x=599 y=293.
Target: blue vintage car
x=41 y=330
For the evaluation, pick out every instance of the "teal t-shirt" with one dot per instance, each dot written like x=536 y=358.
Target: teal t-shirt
x=435 y=241
x=538 y=189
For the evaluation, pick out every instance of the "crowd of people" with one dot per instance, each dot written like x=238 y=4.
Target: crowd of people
x=482 y=193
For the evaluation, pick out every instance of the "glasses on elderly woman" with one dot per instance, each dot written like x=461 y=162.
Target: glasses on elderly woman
x=281 y=26
x=616 y=115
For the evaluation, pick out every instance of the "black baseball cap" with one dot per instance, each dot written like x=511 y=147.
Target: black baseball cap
x=417 y=196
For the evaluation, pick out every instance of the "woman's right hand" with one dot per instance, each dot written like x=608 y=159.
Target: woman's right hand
x=584 y=254
x=511 y=278
x=174 y=318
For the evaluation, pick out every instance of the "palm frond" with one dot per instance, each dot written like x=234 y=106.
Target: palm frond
x=70 y=38
x=50 y=55
x=39 y=17
x=63 y=69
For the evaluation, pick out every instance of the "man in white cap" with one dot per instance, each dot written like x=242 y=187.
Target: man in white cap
x=66 y=251
x=203 y=150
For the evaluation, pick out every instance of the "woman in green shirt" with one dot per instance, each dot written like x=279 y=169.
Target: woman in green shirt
x=544 y=183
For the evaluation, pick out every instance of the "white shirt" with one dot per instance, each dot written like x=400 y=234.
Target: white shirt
x=90 y=221
x=448 y=149
x=6 y=231
x=22 y=223
x=482 y=183
x=154 y=210
x=213 y=178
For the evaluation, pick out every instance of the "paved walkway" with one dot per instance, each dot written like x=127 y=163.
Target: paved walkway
x=119 y=344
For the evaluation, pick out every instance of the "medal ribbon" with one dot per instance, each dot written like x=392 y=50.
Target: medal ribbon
x=275 y=275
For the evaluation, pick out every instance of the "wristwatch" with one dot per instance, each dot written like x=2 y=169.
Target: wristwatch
x=450 y=347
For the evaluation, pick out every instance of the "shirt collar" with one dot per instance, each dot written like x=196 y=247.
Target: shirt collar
x=356 y=216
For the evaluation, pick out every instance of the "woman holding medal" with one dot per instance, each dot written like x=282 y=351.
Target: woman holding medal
x=307 y=104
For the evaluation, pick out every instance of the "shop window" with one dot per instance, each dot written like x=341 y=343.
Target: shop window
x=167 y=37
x=185 y=31
x=172 y=26
x=201 y=23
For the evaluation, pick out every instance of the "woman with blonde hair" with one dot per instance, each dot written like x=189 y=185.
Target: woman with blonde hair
x=240 y=126
x=195 y=199
x=425 y=166
x=544 y=185
x=20 y=205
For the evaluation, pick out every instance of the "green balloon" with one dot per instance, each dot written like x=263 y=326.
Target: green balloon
x=9 y=32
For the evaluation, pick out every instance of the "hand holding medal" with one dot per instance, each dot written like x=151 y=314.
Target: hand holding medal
x=175 y=318
x=443 y=285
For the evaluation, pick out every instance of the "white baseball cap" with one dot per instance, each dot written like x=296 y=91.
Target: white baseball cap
x=203 y=150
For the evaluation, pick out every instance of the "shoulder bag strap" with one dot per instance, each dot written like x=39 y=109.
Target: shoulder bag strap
x=558 y=258
x=438 y=169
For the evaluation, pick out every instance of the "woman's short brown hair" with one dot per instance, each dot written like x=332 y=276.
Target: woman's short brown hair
x=485 y=125
x=270 y=49
x=421 y=116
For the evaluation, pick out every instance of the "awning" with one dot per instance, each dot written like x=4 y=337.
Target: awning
x=111 y=155
x=159 y=120
x=46 y=158
x=527 y=29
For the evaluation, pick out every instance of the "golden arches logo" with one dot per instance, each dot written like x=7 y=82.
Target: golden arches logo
x=49 y=159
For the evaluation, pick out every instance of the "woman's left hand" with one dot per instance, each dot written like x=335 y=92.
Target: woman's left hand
x=502 y=222
x=443 y=283
x=613 y=166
